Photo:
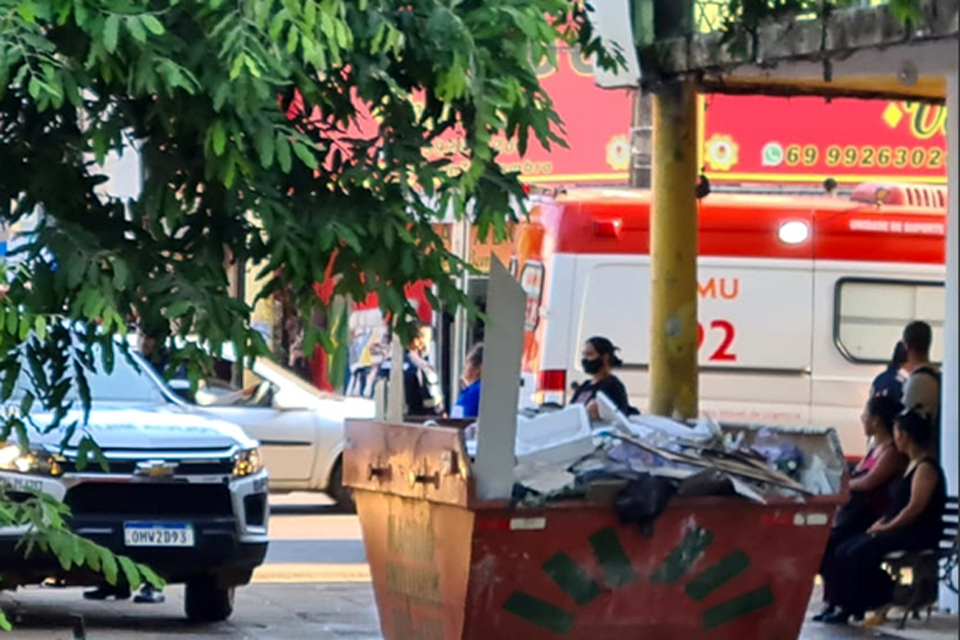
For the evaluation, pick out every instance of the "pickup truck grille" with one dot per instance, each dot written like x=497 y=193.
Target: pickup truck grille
x=223 y=467
x=149 y=499
x=129 y=462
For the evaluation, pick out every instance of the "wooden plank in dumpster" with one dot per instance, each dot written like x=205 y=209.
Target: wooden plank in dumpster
x=500 y=386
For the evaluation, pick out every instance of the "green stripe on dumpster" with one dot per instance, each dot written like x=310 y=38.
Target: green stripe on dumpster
x=574 y=581
x=617 y=570
x=543 y=614
x=683 y=556
x=737 y=608
x=718 y=575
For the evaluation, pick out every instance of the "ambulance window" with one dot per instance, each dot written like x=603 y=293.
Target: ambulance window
x=871 y=314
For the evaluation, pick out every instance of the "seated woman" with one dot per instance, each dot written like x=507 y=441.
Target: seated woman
x=913 y=522
x=869 y=488
x=599 y=359
x=468 y=404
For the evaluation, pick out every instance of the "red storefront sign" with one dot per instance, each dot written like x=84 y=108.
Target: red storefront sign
x=596 y=126
x=805 y=140
x=745 y=139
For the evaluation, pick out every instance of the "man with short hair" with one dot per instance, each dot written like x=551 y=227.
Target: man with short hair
x=922 y=389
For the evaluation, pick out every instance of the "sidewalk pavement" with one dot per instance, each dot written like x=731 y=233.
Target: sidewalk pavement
x=289 y=611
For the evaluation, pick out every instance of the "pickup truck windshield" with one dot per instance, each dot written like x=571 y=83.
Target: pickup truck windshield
x=125 y=384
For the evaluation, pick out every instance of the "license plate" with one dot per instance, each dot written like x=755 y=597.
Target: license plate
x=151 y=534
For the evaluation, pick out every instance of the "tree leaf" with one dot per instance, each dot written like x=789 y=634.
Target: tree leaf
x=153 y=24
x=27 y=11
x=108 y=563
x=130 y=572
x=40 y=327
x=136 y=29
x=306 y=156
x=266 y=146
x=111 y=33
x=284 y=156
x=219 y=136
x=12 y=323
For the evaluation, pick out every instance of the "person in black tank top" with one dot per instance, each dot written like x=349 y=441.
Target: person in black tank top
x=869 y=490
x=913 y=522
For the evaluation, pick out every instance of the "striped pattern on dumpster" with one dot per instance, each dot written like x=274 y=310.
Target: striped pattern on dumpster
x=576 y=582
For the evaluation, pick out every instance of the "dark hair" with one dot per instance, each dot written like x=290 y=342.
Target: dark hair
x=918 y=336
x=604 y=347
x=475 y=355
x=899 y=356
x=917 y=424
x=155 y=329
x=830 y=185
x=887 y=408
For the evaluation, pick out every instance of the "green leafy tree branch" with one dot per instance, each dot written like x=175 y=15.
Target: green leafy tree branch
x=286 y=133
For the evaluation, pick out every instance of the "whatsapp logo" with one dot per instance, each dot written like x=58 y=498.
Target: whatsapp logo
x=773 y=154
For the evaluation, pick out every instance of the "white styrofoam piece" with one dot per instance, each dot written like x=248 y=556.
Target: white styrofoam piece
x=607 y=409
x=559 y=438
x=551 y=428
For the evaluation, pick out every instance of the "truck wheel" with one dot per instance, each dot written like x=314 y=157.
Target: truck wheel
x=342 y=495
x=206 y=601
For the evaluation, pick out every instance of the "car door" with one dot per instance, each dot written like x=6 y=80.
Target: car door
x=282 y=421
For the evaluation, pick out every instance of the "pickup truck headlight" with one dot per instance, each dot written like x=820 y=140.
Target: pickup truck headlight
x=247 y=463
x=30 y=461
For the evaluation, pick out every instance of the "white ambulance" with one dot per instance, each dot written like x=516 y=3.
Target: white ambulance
x=802 y=299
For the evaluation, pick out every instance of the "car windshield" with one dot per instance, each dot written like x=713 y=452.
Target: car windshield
x=220 y=388
x=127 y=383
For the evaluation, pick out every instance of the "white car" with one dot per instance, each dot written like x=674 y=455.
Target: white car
x=299 y=427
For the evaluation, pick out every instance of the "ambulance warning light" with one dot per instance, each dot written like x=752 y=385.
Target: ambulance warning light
x=794 y=232
x=607 y=228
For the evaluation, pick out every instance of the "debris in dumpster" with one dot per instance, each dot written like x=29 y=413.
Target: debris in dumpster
x=542 y=477
x=559 y=437
x=561 y=456
x=603 y=492
x=709 y=482
x=816 y=476
x=730 y=463
x=642 y=500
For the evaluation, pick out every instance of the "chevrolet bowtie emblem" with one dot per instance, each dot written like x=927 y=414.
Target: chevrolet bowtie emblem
x=156 y=468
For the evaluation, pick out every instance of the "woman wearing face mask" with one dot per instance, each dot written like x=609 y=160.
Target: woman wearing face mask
x=599 y=359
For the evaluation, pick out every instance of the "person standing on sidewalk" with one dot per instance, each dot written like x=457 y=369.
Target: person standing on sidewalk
x=922 y=388
x=890 y=382
x=468 y=404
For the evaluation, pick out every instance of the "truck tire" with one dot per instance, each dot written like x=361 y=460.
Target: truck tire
x=206 y=601
x=341 y=495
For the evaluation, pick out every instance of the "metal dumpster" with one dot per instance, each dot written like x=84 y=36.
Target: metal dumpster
x=447 y=566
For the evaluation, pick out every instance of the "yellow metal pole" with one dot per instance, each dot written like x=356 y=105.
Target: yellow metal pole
x=673 y=253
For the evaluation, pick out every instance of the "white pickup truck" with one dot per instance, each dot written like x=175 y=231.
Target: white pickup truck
x=184 y=494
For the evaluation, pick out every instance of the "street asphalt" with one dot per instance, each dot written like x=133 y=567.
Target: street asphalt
x=314 y=586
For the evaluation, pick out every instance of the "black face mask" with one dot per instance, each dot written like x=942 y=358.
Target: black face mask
x=592 y=367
